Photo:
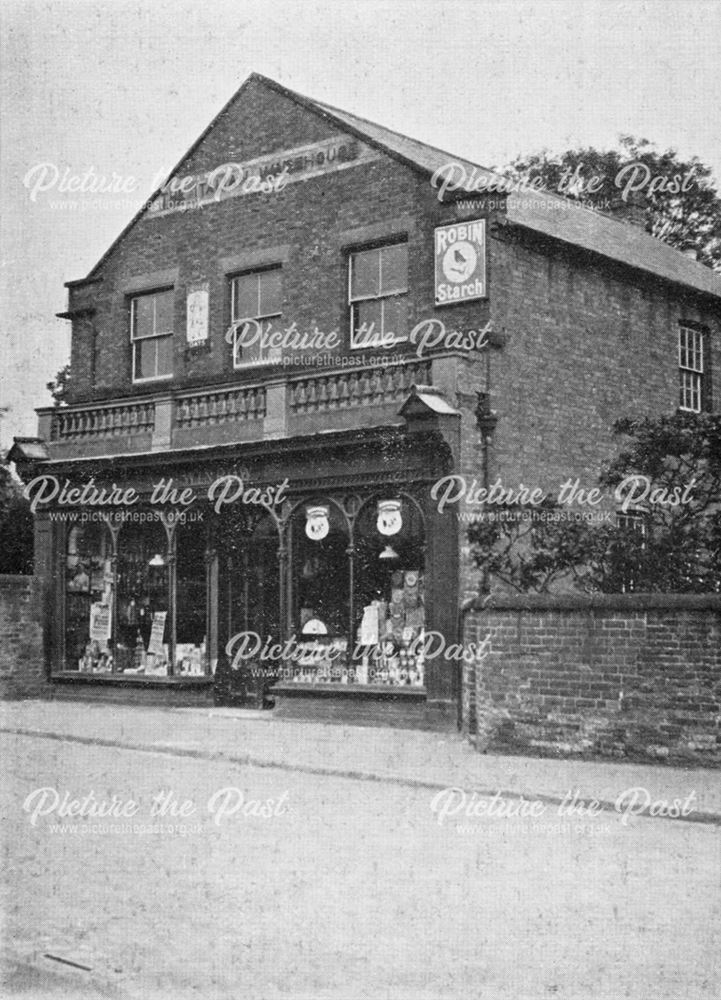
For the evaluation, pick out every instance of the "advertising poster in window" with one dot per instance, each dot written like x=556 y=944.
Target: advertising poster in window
x=100 y=622
x=157 y=631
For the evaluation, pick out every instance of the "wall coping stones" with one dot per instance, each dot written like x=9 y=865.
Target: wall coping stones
x=593 y=602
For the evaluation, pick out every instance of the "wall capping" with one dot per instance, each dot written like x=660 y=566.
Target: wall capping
x=592 y=602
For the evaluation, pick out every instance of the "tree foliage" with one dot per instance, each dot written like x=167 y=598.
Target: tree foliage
x=665 y=481
x=59 y=385
x=16 y=526
x=677 y=198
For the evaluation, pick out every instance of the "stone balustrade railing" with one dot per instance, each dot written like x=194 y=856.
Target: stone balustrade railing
x=266 y=410
x=119 y=420
x=356 y=388
x=220 y=406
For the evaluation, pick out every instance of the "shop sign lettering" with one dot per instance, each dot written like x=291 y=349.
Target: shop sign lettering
x=263 y=175
x=460 y=254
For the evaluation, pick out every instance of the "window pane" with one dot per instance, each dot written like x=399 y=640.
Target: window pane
x=367 y=323
x=395 y=316
x=394 y=269
x=144 y=359
x=365 y=274
x=143 y=316
x=164 y=302
x=270 y=293
x=690 y=391
x=88 y=582
x=164 y=355
x=248 y=354
x=682 y=349
x=697 y=352
x=245 y=301
x=142 y=592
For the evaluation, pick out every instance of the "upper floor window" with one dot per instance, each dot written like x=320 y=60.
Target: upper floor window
x=257 y=296
x=691 y=368
x=151 y=333
x=377 y=295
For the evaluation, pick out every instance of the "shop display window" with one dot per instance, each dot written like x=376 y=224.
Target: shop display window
x=370 y=632
x=352 y=595
x=89 y=599
x=389 y=598
x=320 y=593
x=143 y=643
x=191 y=626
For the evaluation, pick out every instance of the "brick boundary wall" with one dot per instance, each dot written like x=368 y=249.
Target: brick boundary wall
x=635 y=676
x=22 y=661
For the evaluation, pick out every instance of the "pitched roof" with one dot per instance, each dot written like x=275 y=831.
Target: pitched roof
x=549 y=213
x=543 y=212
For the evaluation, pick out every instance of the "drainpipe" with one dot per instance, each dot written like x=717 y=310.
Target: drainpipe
x=486 y=420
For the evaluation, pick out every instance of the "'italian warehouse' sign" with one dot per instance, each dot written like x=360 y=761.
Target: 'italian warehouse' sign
x=263 y=175
x=460 y=253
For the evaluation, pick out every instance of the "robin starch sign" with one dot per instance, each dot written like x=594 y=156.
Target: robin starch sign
x=460 y=253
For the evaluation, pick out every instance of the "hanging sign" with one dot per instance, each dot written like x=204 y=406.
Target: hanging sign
x=389 y=521
x=317 y=525
x=157 y=631
x=196 y=324
x=460 y=254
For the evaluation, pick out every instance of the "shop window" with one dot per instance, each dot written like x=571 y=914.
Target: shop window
x=320 y=592
x=255 y=296
x=691 y=369
x=151 y=334
x=88 y=599
x=389 y=599
x=370 y=632
x=143 y=641
x=377 y=296
x=191 y=645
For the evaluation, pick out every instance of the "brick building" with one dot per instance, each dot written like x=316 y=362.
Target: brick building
x=303 y=331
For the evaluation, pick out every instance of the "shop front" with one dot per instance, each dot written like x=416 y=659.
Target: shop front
x=344 y=589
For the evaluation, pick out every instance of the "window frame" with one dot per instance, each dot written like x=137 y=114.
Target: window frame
x=154 y=336
x=692 y=383
x=353 y=301
x=260 y=317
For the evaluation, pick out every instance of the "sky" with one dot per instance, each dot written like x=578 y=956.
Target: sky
x=125 y=88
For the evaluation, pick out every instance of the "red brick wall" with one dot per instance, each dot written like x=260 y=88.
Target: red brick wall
x=22 y=672
x=588 y=342
x=311 y=218
x=626 y=676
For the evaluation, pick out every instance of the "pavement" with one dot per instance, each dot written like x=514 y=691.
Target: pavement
x=403 y=757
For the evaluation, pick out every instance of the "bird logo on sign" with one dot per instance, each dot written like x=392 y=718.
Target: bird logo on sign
x=459 y=261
